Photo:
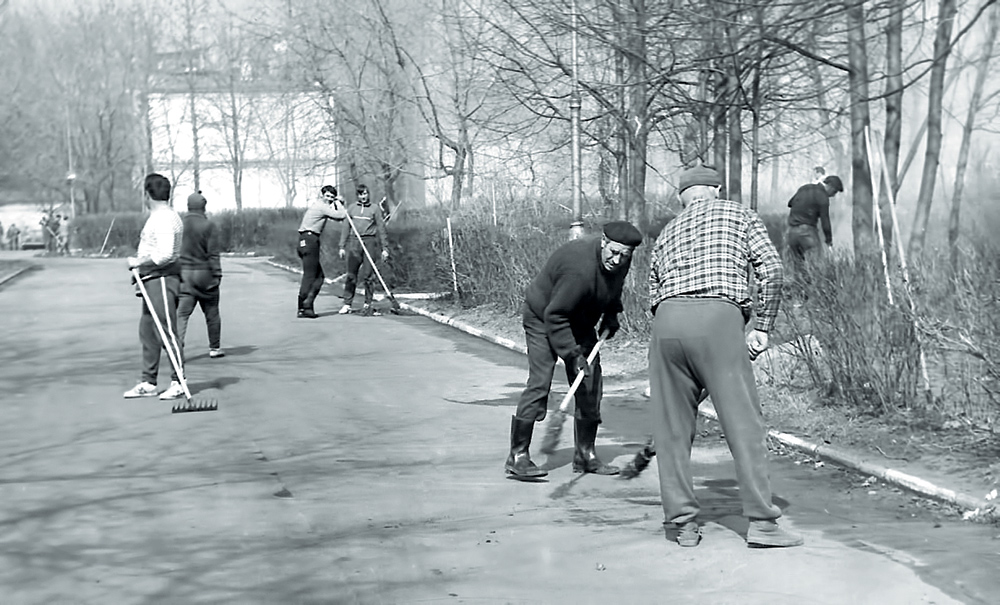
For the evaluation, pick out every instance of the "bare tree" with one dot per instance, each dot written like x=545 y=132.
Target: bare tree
x=947 y=10
x=975 y=106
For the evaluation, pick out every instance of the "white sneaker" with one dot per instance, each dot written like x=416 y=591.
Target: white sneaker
x=143 y=389
x=174 y=391
x=344 y=310
x=216 y=353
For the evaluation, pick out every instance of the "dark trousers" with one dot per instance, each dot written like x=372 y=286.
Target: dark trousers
x=163 y=293
x=196 y=289
x=359 y=269
x=695 y=344
x=533 y=404
x=801 y=240
x=312 y=272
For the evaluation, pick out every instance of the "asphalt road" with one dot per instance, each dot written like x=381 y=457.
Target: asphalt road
x=360 y=460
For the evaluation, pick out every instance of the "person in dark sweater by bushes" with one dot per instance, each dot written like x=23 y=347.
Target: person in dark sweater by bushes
x=580 y=283
x=201 y=274
x=809 y=207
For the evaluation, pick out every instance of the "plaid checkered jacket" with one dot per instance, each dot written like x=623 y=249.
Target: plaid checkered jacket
x=707 y=251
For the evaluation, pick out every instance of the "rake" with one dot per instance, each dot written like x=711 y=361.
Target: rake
x=396 y=308
x=554 y=430
x=173 y=352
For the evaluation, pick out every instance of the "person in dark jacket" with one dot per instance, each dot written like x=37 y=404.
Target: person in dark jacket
x=809 y=207
x=580 y=284
x=201 y=274
x=369 y=220
x=329 y=206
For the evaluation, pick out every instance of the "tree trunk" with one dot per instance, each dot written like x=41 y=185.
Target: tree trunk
x=982 y=72
x=932 y=153
x=237 y=148
x=893 y=117
x=861 y=189
x=735 y=144
x=638 y=99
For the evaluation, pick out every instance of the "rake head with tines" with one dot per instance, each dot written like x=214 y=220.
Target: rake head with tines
x=196 y=405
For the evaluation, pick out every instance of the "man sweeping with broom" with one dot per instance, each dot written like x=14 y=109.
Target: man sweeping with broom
x=580 y=283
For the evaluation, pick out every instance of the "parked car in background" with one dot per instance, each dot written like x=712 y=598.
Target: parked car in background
x=32 y=238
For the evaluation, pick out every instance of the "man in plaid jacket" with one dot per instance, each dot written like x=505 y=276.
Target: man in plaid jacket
x=701 y=300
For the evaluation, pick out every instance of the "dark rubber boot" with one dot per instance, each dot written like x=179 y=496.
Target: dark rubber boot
x=585 y=459
x=519 y=463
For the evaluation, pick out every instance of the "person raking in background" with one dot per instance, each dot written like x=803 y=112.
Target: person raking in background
x=369 y=220
x=810 y=211
x=580 y=284
x=329 y=207
x=701 y=300
x=201 y=274
x=157 y=260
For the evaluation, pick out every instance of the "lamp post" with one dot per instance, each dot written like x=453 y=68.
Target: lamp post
x=576 y=227
x=70 y=179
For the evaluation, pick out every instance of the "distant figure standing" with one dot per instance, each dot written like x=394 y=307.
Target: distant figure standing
x=370 y=223
x=13 y=237
x=201 y=274
x=2 y=245
x=329 y=206
x=809 y=207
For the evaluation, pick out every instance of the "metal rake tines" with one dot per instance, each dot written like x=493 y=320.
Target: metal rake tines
x=209 y=405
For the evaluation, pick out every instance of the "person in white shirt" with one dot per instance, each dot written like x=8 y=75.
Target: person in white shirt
x=158 y=263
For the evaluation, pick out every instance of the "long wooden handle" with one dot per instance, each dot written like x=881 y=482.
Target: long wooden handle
x=163 y=335
x=580 y=375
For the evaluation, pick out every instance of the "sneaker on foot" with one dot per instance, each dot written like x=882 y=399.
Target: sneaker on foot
x=215 y=353
x=370 y=311
x=344 y=310
x=174 y=391
x=765 y=533
x=143 y=389
x=307 y=314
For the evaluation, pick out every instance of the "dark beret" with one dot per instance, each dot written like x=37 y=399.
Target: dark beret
x=699 y=175
x=623 y=232
x=197 y=201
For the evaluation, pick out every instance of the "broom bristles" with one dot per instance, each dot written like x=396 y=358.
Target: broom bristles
x=553 y=431
x=639 y=463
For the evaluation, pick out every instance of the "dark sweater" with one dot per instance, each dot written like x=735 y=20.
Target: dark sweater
x=809 y=204
x=200 y=246
x=572 y=291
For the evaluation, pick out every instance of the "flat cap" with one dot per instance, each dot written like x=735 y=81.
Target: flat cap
x=834 y=182
x=699 y=175
x=197 y=201
x=623 y=232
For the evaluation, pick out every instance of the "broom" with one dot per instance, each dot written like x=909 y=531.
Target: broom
x=644 y=456
x=395 y=303
x=554 y=429
x=173 y=352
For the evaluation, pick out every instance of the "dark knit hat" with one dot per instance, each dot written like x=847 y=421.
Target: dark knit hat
x=699 y=175
x=623 y=232
x=197 y=201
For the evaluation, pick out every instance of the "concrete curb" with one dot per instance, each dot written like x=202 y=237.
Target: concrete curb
x=10 y=276
x=378 y=296
x=976 y=508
